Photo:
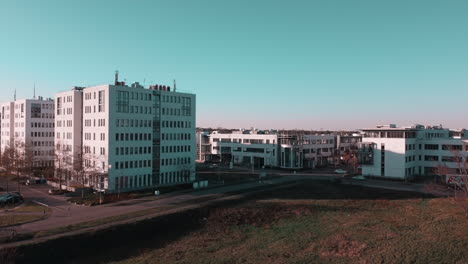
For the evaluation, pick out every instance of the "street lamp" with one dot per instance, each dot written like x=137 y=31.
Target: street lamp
x=100 y=186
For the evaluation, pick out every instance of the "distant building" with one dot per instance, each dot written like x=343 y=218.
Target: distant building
x=284 y=149
x=28 y=125
x=406 y=152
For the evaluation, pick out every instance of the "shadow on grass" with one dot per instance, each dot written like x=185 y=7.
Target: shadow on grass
x=326 y=190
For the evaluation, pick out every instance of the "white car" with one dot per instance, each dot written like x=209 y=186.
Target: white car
x=340 y=171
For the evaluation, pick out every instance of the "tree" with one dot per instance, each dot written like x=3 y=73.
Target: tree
x=84 y=166
x=350 y=158
x=62 y=161
x=7 y=164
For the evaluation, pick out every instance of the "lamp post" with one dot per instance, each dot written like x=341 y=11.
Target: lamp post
x=100 y=186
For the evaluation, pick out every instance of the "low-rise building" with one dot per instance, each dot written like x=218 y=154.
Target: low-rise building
x=279 y=149
x=406 y=152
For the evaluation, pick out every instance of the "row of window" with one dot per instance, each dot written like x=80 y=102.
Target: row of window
x=87 y=150
x=175 y=136
x=132 y=136
x=42 y=124
x=436 y=147
x=124 y=182
x=38 y=153
x=92 y=122
x=176 y=124
x=132 y=123
x=42 y=143
x=175 y=176
x=64 y=123
x=176 y=111
x=434 y=158
x=132 y=150
x=175 y=149
x=43 y=163
x=87 y=136
x=42 y=134
x=132 y=164
x=65 y=135
x=175 y=161
x=245 y=140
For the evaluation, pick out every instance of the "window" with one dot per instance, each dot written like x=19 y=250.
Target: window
x=431 y=158
x=431 y=146
x=122 y=101
x=452 y=147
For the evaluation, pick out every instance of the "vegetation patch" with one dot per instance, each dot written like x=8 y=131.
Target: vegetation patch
x=27 y=212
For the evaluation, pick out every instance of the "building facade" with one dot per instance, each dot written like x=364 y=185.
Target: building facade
x=407 y=152
x=27 y=125
x=286 y=150
x=129 y=137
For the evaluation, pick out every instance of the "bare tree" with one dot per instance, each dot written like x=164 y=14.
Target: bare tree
x=350 y=158
x=63 y=163
x=84 y=166
x=7 y=164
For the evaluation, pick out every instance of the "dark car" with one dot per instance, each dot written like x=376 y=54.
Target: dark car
x=11 y=198
x=57 y=191
x=41 y=181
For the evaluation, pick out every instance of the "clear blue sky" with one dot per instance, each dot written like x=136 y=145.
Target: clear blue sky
x=269 y=64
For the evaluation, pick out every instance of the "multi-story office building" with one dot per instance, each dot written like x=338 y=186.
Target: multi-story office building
x=28 y=126
x=287 y=150
x=68 y=130
x=131 y=137
x=406 y=152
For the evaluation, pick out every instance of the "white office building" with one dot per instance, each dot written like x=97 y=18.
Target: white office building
x=407 y=152
x=131 y=137
x=286 y=150
x=28 y=125
x=249 y=148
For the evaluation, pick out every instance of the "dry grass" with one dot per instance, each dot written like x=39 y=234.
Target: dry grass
x=287 y=227
x=27 y=212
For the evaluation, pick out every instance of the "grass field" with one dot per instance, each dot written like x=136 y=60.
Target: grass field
x=321 y=222
x=24 y=213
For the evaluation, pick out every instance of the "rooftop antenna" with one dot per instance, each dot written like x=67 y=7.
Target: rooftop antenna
x=14 y=96
x=116 y=81
x=175 y=86
x=34 y=94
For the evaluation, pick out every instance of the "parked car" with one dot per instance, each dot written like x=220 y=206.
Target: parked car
x=213 y=166
x=56 y=191
x=340 y=171
x=11 y=198
x=30 y=182
x=41 y=181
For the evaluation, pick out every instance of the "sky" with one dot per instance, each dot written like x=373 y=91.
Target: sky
x=313 y=64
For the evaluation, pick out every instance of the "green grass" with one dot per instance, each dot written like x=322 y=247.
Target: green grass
x=362 y=226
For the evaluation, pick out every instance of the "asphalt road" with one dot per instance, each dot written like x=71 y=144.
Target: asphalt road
x=64 y=213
